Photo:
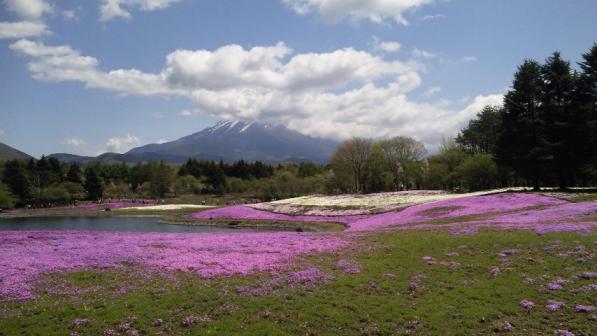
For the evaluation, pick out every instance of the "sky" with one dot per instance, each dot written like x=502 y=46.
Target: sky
x=91 y=76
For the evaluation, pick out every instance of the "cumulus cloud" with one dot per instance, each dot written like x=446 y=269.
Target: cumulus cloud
x=74 y=142
x=122 y=144
x=386 y=46
x=21 y=29
x=338 y=94
x=377 y=11
x=112 y=9
x=28 y=9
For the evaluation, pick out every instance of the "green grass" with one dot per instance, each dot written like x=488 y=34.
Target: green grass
x=462 y=301
x=585 y=198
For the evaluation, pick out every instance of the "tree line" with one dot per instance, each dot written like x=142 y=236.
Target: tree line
x=47 y=181
x=544 y=134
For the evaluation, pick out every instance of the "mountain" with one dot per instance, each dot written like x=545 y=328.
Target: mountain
x=9 y=153
x=228 y=141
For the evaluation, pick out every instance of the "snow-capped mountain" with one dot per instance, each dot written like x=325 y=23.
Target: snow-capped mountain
x=231 y=141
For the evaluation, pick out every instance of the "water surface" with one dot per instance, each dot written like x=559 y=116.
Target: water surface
x=120 y=224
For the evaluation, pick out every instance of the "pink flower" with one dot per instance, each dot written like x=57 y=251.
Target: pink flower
x=553 y=305
x=527 y=304
x=562 y=332
x=589 y=275
x=494 y=271
x=584 y=308
x=189 y=320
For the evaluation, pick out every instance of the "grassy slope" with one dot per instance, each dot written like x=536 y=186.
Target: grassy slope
x=463 y=301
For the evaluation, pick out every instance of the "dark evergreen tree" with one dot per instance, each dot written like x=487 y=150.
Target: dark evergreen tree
x=16 y=178
x=74 y=174
x=94 y=185
x=560 y=120
x=587 y=100
x=481 y=136
x=522 y=144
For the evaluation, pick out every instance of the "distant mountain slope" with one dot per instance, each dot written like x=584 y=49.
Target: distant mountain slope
x=228 y=141
x=9 y=153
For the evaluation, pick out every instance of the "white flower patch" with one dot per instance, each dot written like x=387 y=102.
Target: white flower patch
x=169 y=207
x=383 y=199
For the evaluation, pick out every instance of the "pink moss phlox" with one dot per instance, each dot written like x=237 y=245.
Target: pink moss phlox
x=553 y=305
x=304 y=278
x=348 y=266
x=589 y=275
x=580 y=308
x=527 y=304
x=563 y=332
x=27 y=254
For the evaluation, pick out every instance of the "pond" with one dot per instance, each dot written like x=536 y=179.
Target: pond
x=121 y=224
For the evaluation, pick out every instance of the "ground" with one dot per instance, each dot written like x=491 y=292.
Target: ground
x=421 y=276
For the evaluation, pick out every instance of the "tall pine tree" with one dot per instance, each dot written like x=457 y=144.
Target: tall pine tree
x=522 y=144
x=587 y=99
x=94 y=184
x=560 y=119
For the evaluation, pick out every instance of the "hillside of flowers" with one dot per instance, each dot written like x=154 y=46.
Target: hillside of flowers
x=27 y=255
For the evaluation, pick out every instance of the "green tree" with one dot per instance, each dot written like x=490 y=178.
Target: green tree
x=16 y=178
x=162 y=179
x=477 y=172
x=349 y=161
x=94 y=185
x=522 y=143
x=481 y=136
x=378 y=177
x=402 y=153
x=74 y=174
x=7 y=199
x=187 y=184
x=558 y=116
x=586 y=106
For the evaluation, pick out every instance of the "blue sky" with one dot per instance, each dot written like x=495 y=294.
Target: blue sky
x=89 y=76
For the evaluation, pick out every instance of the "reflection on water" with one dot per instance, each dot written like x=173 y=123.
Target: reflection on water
x=123 y=224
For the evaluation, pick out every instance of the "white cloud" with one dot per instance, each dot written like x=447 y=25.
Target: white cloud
x=111 y=9
x=339 y=94
x=433 y=90
x=69 y=14
x=433 y=16
x=75 y=143
x=386 y=46
x=186 y=113
x=161 y=141
x=21 y=29
x=468 y=59
x=377 y=11
x=28 y=9
x=62 y=63
x=419 y=53
x=122 y=144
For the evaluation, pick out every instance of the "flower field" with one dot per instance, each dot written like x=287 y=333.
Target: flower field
x=520 y=263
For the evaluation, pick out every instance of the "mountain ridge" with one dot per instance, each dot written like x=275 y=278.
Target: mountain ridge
x=229 y=141
x=9 y=153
